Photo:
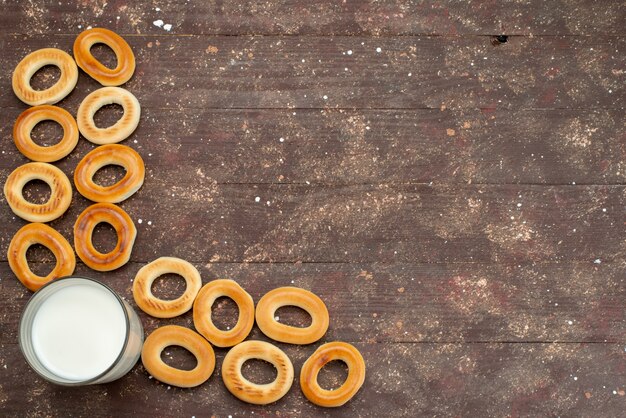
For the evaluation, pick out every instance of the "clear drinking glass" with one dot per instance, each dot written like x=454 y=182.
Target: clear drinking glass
x=76 y=331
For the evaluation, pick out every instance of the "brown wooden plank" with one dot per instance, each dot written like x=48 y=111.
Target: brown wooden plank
x=192 y=216
x=381 y=303
x=353 y=147
x=319 y=17
x=348 y=72
x=405 y=380
x=492 y=298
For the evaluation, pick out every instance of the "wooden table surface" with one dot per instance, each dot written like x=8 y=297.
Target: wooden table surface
x=458 y=203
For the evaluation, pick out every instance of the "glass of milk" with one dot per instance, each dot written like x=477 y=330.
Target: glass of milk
x=76 y=331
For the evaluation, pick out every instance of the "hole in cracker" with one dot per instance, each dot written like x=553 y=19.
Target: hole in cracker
x=45 y=77
x=37 y=192
x=224 y=313
x=109 y=175
x=259 y=371
x=168 y=286
x=41 y=260
x=105 y=55
x=179 y=358
x=108 y=115
x=104 y=238
x=47 y=133
x=333 y=375
x=293 y=316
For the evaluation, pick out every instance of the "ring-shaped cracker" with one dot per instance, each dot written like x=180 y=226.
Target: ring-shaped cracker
x=38 y=233
x=202 y=312
x=83 y=231
x=150 y=304
x=34 y=61
x=116 y=132
x=184 y=337
x=104 y=75
x=29 y=118
x=292 y=296
x=60 y=192
x=324 y=354
x=247 y=391
x=111 y=154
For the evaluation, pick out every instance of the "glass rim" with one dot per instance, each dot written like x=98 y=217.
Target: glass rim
x=108 y=369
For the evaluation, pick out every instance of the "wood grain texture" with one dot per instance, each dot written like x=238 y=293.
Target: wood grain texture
x=406 y=302
x=202 y=221
x=407 y=379
x=344 y=147
x=348 y=72
x=457 y=203
x=319 y=17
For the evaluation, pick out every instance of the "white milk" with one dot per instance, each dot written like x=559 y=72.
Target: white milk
x=79 y=331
